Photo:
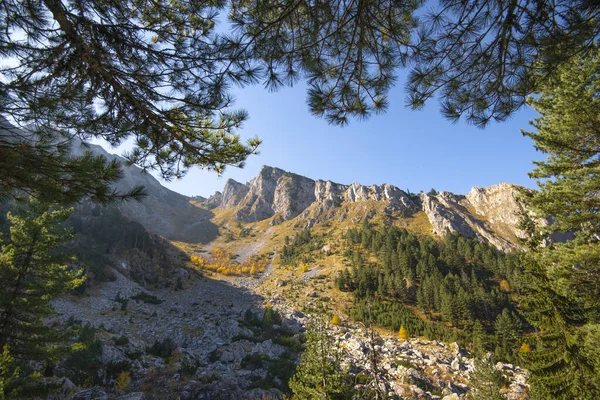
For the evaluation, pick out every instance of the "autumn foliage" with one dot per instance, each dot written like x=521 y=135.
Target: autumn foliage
x=403 y=333
x=220 y=261
x=525 y=348
x=336 y=320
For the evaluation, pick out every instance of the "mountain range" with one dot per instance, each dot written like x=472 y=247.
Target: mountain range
x=490 y=214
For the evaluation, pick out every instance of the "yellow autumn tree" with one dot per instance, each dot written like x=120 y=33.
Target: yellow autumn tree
x=336 y=320
x=403 y=333
x=525 y=348
x=122 y=381
x=504 y=286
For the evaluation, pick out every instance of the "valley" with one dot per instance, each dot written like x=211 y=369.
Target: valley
x=235 y=332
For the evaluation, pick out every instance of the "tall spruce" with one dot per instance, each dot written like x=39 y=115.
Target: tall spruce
x=561 y=284
x=31 y=274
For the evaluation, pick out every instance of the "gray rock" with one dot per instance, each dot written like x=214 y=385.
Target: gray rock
x=452 y=396
x=233 y=193
x=94 y=393
x=262 y=394
x=269 y=348
x=111 y=355
x=132 y=396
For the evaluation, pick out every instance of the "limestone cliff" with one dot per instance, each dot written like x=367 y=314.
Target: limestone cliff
x=489 y=214
x=233 y=193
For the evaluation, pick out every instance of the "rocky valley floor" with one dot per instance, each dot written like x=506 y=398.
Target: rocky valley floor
x=221 y=344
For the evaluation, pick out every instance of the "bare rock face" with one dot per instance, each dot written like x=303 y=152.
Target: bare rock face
x=233 y=193
x=275 y=191
x=258 y=203
x=489 y=214
x=215 y=200
x=442 y=218
x=329 y=194
x=293 y=194
x=500 y=206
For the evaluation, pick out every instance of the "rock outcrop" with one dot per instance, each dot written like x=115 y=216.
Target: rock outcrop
x=277 y=192
x=233 y=193
x=489 y=214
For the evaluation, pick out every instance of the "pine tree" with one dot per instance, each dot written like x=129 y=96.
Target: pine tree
x=561 y=282
x=508 y=332
x=319 y=374
x=31 y=274
x=486 y=381
x=478 y=338
x=9 y=373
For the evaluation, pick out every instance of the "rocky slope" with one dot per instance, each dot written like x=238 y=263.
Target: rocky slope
x=490 y=214
x=163 y=211
x=226 y=349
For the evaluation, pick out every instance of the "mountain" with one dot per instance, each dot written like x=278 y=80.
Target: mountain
x=490 y=214
x=163 y=211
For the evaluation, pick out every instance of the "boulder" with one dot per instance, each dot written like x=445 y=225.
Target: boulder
x=94 y=393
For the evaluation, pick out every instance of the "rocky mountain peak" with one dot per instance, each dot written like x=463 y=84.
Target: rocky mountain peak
x=233 y=193
x=276 y=191
x=490 y=214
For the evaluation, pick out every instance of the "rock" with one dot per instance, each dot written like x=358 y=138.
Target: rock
x=281 y=283
x=275 y=191
x=262 y=394
x=443 y=219
x=94 y=393
x=227 y=357
x=455 y=348
x=68 y=387
x=455 y=365
x=233 y=193
x=268 y=348
x=452 y=396
x=132 y=396
x=189 y=391
x=326 y=249
x=111 y=355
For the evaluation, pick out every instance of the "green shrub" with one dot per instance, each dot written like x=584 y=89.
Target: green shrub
x=254 y=361
x=147 y=298
x=164 y=348
x=121 y=341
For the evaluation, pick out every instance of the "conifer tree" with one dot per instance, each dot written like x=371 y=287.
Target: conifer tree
x=486 y=381
x=561 y=283
x=160 y=71
x=508 y=331
x=319 y=374
x=31 y=274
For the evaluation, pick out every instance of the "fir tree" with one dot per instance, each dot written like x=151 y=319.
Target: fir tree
x=486 y=380
x=319 y=374
x=561 y=283
x=31 y=274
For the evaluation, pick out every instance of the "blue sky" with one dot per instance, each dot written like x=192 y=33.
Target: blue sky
x=416 y=150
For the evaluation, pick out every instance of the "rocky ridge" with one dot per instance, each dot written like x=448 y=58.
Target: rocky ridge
x=162 y=211
x=490 y=214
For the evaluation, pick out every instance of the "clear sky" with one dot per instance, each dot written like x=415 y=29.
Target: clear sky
x=416 y=150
